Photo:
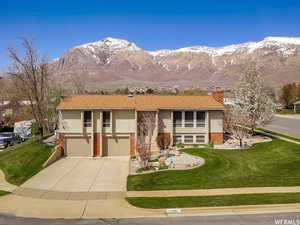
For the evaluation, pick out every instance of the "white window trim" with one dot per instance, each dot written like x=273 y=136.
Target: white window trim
x=194 y=118
x=194 y=138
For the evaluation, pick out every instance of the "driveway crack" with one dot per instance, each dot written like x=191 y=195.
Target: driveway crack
x=50 y=189
x=97 y=175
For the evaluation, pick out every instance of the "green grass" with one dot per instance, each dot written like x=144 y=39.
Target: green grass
x=285 y=111
x=278 y=134
x=4 y=193
x=22 y=161
x=211 y=201
x=275 y=163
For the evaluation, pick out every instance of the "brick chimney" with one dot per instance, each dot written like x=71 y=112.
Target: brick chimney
x=218 y=95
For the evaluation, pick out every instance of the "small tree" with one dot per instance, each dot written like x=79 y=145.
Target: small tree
x=254 y=99
x=235 y=123
x=146 y=125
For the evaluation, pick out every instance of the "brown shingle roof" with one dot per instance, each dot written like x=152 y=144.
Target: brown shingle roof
x=139 y=102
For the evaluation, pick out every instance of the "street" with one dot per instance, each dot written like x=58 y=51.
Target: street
x=258 y=219
x=288 y=126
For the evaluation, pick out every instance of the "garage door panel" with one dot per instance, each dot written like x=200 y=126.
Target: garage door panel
x=116 y=146
x=78 y=146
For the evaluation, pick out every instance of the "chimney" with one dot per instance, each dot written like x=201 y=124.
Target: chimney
x=218 y=95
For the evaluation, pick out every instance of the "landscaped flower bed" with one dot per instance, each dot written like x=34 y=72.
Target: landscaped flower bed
x=175 y=160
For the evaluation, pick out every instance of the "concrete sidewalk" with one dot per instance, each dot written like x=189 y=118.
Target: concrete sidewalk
x=119 y=208
x=278 y=137
x=4 y=185
x=207 y=192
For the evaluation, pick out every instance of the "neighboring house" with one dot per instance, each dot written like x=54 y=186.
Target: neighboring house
x=106 y=125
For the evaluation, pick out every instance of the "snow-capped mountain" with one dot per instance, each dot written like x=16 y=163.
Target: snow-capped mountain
x=116 y=61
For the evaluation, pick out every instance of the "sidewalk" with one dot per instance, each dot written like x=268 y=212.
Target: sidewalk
x=4 y=185
x=276 y=136
x=207 y=192
x=119 y=208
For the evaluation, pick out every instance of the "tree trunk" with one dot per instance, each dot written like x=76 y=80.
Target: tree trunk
x=41 y=131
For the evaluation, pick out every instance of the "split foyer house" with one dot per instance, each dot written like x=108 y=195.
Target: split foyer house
x=106 y=125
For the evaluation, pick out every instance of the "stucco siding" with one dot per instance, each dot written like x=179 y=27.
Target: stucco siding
x=71 y=121
x=123 y=121
x=166 y=121
x=216 y=121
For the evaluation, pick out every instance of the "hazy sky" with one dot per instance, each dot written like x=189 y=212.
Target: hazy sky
x=59 y=25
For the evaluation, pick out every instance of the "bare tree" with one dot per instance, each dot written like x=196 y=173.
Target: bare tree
x=254 y=99
x=146 y=126
x=30 y=75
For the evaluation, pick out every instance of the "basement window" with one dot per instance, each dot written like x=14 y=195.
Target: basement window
x=87 y=118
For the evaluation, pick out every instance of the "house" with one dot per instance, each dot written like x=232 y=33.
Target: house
x=106 y=125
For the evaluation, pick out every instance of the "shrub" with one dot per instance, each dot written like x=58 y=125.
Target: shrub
x=179 y=145
x=195 y=145
x=210 y=144
x=34 y=129
x=163 y=141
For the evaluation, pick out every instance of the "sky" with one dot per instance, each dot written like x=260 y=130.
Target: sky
x=57 y=25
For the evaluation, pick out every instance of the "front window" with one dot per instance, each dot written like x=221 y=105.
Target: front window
x=106 y=119
x=189 y=119
x=200 y=119
x=177 y=119
x=87 y=118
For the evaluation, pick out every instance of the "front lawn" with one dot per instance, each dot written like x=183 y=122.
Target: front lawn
x=275 y=163
x=22 y=161
x=212 y=201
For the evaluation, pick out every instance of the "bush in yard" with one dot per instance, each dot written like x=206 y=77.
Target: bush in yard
x=34 y=129
x=179 y=145
x=210 y=144
x=163 y=141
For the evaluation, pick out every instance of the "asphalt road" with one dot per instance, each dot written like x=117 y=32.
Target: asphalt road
x=286 y=126
x=258 y=219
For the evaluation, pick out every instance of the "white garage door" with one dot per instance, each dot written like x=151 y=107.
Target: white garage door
x=78 y=146
x=116 y=146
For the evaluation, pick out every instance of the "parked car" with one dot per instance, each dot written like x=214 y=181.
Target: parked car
x=4 y=142
x=9 y=138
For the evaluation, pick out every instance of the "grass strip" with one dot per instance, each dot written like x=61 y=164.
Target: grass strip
x=4 y=192
x=278 y=134
x=213 y=201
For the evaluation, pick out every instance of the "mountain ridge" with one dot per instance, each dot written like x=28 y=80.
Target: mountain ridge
x=119 y=61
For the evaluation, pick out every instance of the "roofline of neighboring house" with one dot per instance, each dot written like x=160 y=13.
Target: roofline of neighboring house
x=120 y=108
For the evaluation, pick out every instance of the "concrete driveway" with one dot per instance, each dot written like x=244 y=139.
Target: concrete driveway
x=83 y=175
